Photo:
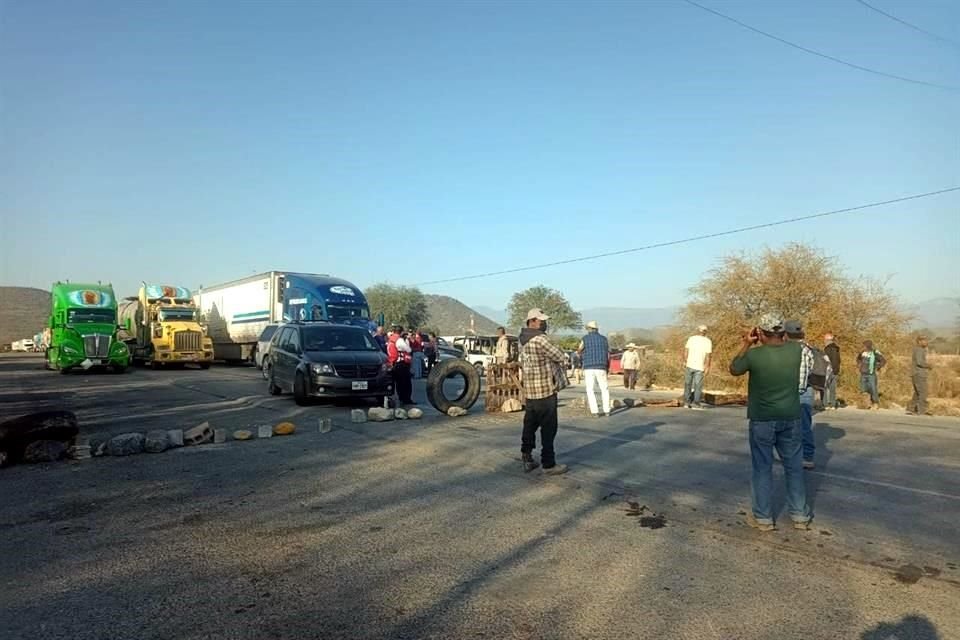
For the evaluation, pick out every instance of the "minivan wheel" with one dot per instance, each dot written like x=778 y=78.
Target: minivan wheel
x=272 y=386
x=300 y=390
x=265 y=367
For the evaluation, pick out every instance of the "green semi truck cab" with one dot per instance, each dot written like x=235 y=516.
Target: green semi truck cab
x=83 y=328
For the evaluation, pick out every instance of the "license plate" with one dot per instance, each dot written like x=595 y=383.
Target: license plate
x=360 y=386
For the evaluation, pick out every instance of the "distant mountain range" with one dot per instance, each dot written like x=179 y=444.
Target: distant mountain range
x=938 y=313
x=23 y=312
x=450 y=317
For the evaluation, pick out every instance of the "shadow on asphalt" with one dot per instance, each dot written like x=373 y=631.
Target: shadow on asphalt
x=823 y=434
x=915 y=627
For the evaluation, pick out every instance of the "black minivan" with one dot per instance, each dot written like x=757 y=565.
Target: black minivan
x=322 y=360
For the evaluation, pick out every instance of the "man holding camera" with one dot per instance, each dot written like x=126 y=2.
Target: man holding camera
x=773 y=411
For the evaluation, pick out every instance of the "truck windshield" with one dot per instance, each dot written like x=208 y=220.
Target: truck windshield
x=337 y=339
x=347 y=312
x=173 y=314
x=91 y=316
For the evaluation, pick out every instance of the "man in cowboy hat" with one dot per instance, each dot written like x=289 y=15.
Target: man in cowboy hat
x=595 y=352
x=630 y=362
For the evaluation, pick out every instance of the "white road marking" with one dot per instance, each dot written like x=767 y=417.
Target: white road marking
x=888 y=485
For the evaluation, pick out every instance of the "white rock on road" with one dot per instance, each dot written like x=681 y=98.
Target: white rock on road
x=379 y=414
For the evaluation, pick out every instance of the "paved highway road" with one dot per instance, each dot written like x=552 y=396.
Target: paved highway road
x=430 y=530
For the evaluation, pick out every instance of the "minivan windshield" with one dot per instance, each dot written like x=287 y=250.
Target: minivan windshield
x=91 y=316
x=337 y=339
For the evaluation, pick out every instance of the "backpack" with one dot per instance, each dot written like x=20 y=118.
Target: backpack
x=818 y=375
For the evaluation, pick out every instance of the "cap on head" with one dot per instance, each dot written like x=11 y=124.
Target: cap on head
x=828 y=337
x=592 y=325
x=702 y=328
x=770 y=323
x=536 y=314
x=793 y=327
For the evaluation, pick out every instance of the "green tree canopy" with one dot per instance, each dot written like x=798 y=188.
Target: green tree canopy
x=406 y=306
x=551 y=301
x=617 y=340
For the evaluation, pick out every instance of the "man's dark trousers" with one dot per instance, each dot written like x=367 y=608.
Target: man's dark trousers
x=402 y=382
x=540 y=414
x=919 y=401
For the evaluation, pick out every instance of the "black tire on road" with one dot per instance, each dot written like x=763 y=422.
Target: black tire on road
x=272 y=387
x=265 y=367
x=446 y=369
x=300 y=391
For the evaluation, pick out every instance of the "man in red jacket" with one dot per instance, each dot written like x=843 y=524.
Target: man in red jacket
x=399 y=358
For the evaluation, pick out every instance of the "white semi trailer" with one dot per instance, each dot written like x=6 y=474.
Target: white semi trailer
x=235 y=313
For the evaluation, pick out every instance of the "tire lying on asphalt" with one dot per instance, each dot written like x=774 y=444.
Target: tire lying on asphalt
x=445 y=370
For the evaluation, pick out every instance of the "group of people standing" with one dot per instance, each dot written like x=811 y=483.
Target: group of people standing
x=410 y=354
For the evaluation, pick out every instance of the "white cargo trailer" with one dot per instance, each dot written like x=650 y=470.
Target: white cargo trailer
x=235 y=313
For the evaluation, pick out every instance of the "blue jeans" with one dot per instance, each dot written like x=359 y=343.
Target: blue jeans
x=418 y=364
x=692 y=383
x=786 y=437
x=868 y=384
x=806 y=424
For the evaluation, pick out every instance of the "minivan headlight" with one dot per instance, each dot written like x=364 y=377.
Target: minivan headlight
x=322 y=369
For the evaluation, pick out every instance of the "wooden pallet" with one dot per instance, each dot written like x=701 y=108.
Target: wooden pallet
x=503 y=383
x=724 y=399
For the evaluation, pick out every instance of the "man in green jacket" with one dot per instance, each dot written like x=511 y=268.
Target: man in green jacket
x=773 y=412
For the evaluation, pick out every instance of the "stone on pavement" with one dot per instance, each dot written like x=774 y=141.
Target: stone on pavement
x=156 y=441
x=399 y=414
x=415 y=414
x=379 y=414
x=358 y=416
x=44 y=451
x=176 y=437
x=456 y=412
x=511 y=405
x=264 y=431
x=242 y=434
x=98 y=443
x=126 y=444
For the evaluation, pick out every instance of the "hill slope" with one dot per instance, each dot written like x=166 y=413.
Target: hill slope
x=450 y=317
x=23 y=312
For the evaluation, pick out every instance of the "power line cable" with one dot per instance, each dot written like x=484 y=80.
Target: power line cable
x=907 y=24
x=819 y=54
x=707 y=236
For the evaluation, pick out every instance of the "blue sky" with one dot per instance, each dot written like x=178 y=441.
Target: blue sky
x=198 y=142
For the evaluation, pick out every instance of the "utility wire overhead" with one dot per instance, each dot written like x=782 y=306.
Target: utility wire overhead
x=819 y=54
x=907 y=24
x=669 y=243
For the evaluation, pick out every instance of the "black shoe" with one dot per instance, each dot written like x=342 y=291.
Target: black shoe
x=529 y=464
x=555 y=470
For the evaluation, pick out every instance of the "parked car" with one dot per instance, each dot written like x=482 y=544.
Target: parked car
x=262 y=352
x=445 y=349
x=479 y=350
x=327 y=361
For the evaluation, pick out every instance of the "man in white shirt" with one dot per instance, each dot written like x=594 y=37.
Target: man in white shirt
x=630 y=362
x=696 y=360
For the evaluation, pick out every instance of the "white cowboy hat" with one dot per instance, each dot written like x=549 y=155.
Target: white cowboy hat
x=592 y=325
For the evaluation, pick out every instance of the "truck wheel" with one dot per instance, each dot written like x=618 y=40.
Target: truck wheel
x=453 y=368
x=265 y=368
x=300 y=391
x=118 y=369
x=65 y=370
x=204 y=365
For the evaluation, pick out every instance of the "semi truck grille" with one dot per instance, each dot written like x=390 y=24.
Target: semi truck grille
x=358 y=371
x=187 y=341
x=96 y=346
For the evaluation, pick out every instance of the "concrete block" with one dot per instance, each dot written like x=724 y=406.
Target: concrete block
x=378 y=414
x=219 y=436
x=325 y=425
x=358 y=416
x=200 y=434
x=176 y=437
x=265 y=431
